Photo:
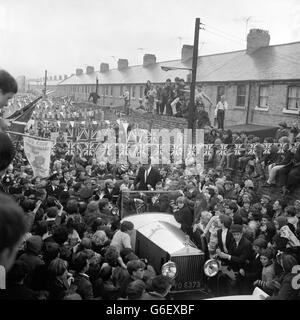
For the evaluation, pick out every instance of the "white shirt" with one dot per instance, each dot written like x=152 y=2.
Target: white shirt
x=110 y=190
x=126 y=95
x=224 y=234
x=147 y=172
x=221 y=106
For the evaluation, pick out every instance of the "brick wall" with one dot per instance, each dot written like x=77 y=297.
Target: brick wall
x=235 y=115
x=149 y=121
x=277 y=102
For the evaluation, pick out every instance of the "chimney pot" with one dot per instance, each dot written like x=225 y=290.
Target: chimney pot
x=89 y=70
x=149 y=59
x=122 y=64
x=186 y=52
x=104 y=67
x=256 y=39
x=79 y=72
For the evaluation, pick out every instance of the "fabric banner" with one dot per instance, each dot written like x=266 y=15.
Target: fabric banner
x=38 y=154
x=2 y=278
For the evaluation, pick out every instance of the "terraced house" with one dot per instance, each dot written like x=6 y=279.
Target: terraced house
x=261 y=83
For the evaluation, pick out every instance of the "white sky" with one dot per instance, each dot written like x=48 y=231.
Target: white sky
x=62 y=35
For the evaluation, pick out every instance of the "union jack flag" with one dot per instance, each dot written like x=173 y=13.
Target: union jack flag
x=177 y=151
x=237 y=149
x=252 y=148
x=294 y=147
x=207 y=149
x=71 y=148
x=223 y=149
x=83 y=134
x=267 y=148
x=281 y=147
x=89 y=150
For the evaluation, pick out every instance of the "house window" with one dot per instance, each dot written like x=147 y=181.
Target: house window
x=293 y=98
x=121 y=91
x=106 y=90
x=220 y=92
x=111 y=91
x=141 y=91
x=263 y=96
x=241 y=96
x=133 y=92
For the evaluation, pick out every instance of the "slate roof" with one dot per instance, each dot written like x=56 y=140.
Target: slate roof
x=278 y=62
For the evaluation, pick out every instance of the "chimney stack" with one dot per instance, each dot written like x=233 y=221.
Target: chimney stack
x=89 y=70
x=104 y=67
x=149 y=59
x=79 y=72
x=186 y=52
x=122 y=64
x=257 y=39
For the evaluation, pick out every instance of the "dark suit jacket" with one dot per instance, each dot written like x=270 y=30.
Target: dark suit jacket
x=241 y=254
x=229 y=241
x=286 y=158
x=152 y=179
x=84 y=286
x=162 y=204
x=113 y=195
x=185 y=217
x=55 y=193
x=254 y=269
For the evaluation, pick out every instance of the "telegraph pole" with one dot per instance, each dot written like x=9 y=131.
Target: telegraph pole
x=97 y=85
x=45 y=83
x=194 y=72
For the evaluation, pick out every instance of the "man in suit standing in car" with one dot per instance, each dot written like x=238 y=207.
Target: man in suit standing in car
x=147 y=177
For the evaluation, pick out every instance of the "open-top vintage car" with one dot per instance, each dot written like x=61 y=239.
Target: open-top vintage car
x=159 y=238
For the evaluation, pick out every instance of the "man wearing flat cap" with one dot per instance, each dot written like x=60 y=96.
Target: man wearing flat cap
x=267 y=208
x=283 y=130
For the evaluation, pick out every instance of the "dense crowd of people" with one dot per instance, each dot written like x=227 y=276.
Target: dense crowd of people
x=172 y=98
x=75 y=247
x=71 y=217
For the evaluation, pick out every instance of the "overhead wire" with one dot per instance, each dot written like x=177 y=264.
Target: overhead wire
x=280 y=55
x=225 y=33
x=222 y=66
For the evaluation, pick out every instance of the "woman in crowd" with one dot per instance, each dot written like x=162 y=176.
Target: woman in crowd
x=87 y=235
